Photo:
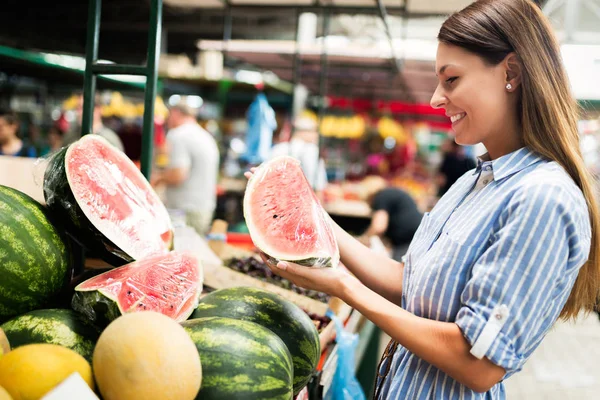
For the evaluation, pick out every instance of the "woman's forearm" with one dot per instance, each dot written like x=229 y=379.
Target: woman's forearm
x=439 y=343
x=377 y=271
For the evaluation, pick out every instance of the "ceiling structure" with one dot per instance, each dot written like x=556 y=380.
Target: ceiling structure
x=356 y=28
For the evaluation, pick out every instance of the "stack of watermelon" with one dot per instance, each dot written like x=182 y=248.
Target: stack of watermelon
x=253 y=344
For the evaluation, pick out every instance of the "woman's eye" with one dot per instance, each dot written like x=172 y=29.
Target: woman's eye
x=452 y=79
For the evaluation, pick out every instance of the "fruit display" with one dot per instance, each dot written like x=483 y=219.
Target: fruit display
x=282 y=317
x=146 y=355
x=285 y=218
x=54 y=326
x=320 y=321
x=31 y=371
x=255 y=268
x=343 y=127
x=141 y=323
x=241 y=360
x=106 y=203
x=170 y=284
x=35 y=261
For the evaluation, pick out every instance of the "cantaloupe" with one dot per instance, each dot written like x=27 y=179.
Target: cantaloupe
x=31 y=371
x=146 y=355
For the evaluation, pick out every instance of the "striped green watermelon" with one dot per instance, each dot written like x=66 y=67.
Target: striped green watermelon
x=54 y=326
x=275 y=313
x=35 y=262
x=241 y=360
x=106 y=203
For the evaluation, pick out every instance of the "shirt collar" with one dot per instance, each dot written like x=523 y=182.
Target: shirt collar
x=508 y=164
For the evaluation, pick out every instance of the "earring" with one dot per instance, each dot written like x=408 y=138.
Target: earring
x=508 y=86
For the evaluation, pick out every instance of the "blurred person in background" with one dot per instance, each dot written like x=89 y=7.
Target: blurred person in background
x=304 y=146
x=395 y=217
x=55 y=140
x=98 y=126
x=10 y=143
x=454 y=165
x=193 y=166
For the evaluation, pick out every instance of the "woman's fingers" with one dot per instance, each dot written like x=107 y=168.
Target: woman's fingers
x=248 y=174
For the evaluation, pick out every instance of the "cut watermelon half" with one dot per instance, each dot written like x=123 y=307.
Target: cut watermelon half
x=284 y=216
x=169 y=284
x=106 y=203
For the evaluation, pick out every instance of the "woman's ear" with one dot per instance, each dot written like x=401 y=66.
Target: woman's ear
x=514 y=68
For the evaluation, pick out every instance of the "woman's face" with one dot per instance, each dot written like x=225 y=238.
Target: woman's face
x=474 y=96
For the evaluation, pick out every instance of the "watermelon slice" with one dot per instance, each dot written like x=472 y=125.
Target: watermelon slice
x=106 y=203
x=284 y=216
x=169 y=284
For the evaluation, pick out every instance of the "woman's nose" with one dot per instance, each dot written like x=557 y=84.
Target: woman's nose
x=438 y=100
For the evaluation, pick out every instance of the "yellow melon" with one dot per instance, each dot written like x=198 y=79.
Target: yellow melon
x=4 y=394
x=146 y=355
x=29 y=372
x=4 y=345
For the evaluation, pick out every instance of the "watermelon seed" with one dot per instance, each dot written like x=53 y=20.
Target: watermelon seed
x=274 y=216
x=164 y=296
x=129 y=293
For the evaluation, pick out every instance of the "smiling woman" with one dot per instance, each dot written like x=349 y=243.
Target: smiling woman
x=511 y=247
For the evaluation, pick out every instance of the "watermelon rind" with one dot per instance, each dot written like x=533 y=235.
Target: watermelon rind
x=241 y=360
x=95 y=306
x=274 y=256
x=102 y=307
x=275 y=313
x=53 y=326
x=60 y=199
x=35 y=260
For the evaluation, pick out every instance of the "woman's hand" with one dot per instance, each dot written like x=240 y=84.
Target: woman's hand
x=326 y=280
x=249 y=174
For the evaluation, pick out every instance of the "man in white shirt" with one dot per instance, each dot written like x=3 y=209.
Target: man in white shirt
x=304 y=146
x=191 y=175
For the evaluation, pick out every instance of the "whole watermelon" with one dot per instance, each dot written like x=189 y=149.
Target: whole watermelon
x=241 y=360
x=275 y=313
x=34 y=260
x=54 y=326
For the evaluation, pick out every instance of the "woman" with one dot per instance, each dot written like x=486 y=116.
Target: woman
x=511 y=247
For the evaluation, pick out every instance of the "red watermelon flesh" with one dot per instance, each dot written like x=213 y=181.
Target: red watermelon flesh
x=117 y=199
x=284 y=216
x=170 y=284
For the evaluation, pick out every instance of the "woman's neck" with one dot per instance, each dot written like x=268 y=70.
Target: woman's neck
x=504 y=142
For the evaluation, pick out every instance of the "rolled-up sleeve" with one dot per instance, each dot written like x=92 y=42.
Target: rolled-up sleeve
x=519 y=285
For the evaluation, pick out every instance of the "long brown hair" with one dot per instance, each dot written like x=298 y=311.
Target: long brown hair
x=548 y=116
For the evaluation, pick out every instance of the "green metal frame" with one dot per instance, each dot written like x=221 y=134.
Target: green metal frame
x=150 y=71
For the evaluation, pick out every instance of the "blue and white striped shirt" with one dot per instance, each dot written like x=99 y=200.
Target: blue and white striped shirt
x=498 y=255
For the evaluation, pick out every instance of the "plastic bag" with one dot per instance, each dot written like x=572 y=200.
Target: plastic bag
x=285 y=219
x=261 y=124
x=104 y=202
x=344 y=386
